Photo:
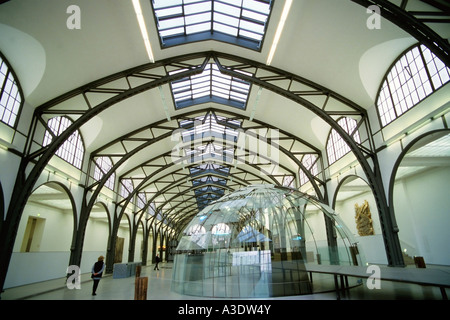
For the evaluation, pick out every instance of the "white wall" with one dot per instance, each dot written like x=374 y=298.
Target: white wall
x=422 y=208
x=52 y=258
x=371 y=246
x=421 y=205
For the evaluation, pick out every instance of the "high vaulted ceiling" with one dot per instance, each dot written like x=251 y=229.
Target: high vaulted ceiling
x=327 y=55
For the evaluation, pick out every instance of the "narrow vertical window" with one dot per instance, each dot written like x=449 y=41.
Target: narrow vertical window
x=102 y=166
x=309 y=161
x=126 y=187
x=10 y=95
x=72 y=149
x=336 y=146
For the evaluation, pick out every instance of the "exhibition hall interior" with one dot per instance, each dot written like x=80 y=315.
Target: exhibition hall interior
x=225 y=149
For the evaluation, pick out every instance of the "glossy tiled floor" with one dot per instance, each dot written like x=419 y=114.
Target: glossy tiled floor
x=159 y=288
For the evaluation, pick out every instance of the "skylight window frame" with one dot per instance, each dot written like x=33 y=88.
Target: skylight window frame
x=211 y=81
x=238 y=34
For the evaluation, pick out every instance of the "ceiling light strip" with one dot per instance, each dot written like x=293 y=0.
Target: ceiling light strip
x=143 y=27
x=284 y=14
x=163 y=99
x=256 y=103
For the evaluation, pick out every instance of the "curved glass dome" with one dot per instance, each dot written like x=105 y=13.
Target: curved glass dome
x=261 y=241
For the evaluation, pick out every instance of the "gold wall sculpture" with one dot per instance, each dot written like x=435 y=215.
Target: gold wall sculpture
x=363 y=219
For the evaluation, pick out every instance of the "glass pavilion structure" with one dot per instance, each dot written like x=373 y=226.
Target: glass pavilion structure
x=260 y=242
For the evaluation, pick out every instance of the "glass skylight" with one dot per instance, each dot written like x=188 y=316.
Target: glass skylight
x=240 y=22
x=213 y=185
x=204 y=126
x=209 y=154
x=210 y=86
x=199 y=140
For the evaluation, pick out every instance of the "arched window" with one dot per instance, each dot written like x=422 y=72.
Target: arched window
x=413 y=77
x=10 y=94
x=309 y=161
x=126 y=187
x=102 y=166
x=336 y=146
x=72 y=149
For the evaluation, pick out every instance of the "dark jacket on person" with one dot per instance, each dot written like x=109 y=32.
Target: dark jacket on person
x=98 y=267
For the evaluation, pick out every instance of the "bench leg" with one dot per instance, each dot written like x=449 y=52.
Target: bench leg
x=336 y=285
x=444 y=294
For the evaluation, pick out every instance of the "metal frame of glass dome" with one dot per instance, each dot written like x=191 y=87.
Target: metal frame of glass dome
x=259 y=242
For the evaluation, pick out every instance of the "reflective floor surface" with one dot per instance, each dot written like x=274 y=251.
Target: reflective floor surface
x=159 y=288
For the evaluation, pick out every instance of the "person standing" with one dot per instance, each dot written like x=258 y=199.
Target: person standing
x=97 y=272
x=157 y=260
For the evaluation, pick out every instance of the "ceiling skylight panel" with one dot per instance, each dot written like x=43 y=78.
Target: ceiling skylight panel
x=226 y=19
x=250 y=34
x=255 y=16
x=172 y=32
x=197 y=7
x=221 y=81
x=238 y=96
x=213 y=84
x=239 y=84
x=222 y=86
x=252 y=25
x=221 y=92
x=198 y=27
x=200 y=94
x=169 y=12
x=198 y=18
x=182 y=95
x=234 y=21
x=227 y=9
x=258 y=6
x=225 y=29
x=171 y=23
x=199 y=86
x=166 y=3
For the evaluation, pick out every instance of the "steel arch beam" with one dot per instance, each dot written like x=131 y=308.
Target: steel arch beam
x=175 y=184
x=25 y=182
x=406 y=21
x=390 y=232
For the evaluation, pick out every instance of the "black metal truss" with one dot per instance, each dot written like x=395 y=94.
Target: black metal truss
x=184 y=182
x=123 y=85
x=166 y=162
x=418 y=24
x=183 y=178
